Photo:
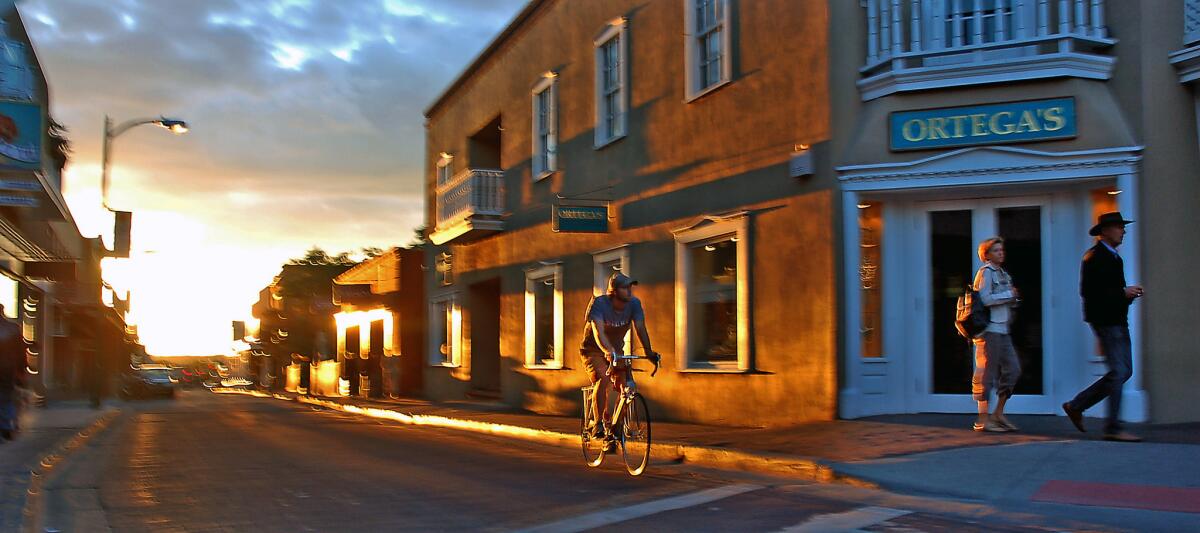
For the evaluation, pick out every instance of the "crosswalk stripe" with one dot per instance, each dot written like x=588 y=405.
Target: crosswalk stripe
x=847 y=521
x=613 y=516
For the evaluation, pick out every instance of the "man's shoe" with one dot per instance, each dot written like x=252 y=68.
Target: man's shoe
x=1075 y=415
x=6 y=434
x=1122 y=436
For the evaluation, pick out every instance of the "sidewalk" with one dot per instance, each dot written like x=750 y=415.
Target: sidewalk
x=45 y=431
x=1047 y=463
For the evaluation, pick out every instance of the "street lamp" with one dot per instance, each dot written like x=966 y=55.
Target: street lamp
x=178 y=127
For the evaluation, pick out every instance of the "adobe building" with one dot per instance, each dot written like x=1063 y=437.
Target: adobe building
x=958 y=121
x=380 y=328
x=680 y=142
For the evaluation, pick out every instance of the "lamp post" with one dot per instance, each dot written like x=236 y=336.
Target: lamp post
x=178 y=127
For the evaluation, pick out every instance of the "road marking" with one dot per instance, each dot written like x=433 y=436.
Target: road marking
x=613 y=516
x=847 y=521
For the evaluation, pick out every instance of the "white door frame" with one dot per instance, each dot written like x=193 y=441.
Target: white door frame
x=880 y=385
x=920 y=346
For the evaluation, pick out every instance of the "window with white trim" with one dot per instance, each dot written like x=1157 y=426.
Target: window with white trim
x=708 y=45
x=712 y=296
x=612 y=80
x=445 y=331
x=604 y=264
x=545 y=125
x=544 y=317
x=445 y=169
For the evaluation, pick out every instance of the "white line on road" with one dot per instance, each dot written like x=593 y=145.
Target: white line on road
x=612 y=516
x=847 y=521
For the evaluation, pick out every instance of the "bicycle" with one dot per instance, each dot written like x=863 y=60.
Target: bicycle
x=629 y=426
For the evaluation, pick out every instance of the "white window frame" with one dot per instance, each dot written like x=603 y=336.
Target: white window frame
x=693 y=81
x=548 y=85
x=445 y=169
x=532 y=277
x=736 y=225
x=437 y=327
x=617 y=30
x=600 y=276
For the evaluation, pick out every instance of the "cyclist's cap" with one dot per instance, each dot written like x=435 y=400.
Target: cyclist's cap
x=620 y=281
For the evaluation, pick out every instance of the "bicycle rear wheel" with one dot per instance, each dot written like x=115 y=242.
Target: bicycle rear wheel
x=635 y=446
x=593 y=448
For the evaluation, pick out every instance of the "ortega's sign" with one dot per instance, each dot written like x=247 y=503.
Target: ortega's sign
x=1036 y=120
x=581 y=218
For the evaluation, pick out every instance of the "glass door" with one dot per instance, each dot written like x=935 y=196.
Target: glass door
x=945 y=258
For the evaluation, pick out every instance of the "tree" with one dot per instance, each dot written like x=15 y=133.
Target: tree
x=418 y=238
x=60 y=145
x=373 y=251
x=318 y=256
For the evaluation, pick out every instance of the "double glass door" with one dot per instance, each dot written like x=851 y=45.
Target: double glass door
x=947 y=259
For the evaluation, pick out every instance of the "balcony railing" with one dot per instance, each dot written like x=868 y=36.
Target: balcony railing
x=911 y=44
x=472 y=199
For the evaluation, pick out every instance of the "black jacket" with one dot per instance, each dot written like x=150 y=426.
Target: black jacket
x=1102 y=286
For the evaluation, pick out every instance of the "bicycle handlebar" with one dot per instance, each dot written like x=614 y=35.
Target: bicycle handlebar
x=630 y=357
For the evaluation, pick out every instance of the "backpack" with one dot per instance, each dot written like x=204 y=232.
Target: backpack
x=972 y=317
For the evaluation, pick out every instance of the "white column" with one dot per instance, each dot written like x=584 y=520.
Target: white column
x=977 y=16
x=956 y=19
x=1098 y=19
x=1081 y=12
x=1133 y=403
x=897 y=29
x=872 y=30
x=1043 y=16
x=914 y=16
x=939 y=27
x=1001 y=27
x=885 y=28
x=1064 y=17
x=1020 y=8
x=850 y=398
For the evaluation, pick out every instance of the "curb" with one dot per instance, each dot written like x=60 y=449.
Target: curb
x=721 y=458
x=31 y=515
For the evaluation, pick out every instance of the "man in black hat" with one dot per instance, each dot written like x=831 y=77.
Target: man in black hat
x=1106 y=301
x=608 y=319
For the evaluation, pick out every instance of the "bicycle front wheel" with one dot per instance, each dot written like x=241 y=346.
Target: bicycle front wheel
x=635 y=446
x=593 y=448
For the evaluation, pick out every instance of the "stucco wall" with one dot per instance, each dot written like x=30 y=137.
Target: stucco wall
x=726 y=151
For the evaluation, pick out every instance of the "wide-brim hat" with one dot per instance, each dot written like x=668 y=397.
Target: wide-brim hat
x=1108 y=219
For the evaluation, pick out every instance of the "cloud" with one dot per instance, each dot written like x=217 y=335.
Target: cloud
x=305 y=114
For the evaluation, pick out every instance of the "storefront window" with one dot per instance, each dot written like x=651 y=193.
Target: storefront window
x=8 y=296
x=870 y=226
x=543 y=317
x=712 y=309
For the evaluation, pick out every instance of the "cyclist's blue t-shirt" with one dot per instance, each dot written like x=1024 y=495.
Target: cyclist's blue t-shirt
x=616 y=323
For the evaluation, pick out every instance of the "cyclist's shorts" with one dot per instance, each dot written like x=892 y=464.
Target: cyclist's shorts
x=595 y=363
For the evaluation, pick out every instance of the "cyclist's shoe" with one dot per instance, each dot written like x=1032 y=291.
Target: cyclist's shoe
x=610 y=445
x=597 y=432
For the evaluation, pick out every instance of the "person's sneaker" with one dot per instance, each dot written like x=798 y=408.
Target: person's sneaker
x=1122 y=436
x=1075 y=415
x=990 y=426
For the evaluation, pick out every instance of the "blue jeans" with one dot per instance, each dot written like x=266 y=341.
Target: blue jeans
x=8 y=411
x=1118 y=355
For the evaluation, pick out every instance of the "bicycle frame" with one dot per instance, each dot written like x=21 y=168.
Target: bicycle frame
x=629 y=388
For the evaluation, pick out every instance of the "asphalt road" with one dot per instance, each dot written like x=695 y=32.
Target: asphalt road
x=207 y=462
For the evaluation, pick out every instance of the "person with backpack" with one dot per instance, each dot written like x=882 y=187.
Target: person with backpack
x=996 y=364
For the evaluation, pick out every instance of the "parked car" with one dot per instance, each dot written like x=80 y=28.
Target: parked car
x=148 y=380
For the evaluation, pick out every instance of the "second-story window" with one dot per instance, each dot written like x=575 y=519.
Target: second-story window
x=708 y=45
x=611 y=82
x=545 y=126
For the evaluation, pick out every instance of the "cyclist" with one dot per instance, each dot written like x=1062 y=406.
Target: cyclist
x=608 y=319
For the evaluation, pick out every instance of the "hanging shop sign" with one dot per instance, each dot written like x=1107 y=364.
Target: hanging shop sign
x=1034 y=120
x=20 y=135
x=581 y=218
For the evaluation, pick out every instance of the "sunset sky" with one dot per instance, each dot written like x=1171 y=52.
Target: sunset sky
x=306 y=130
